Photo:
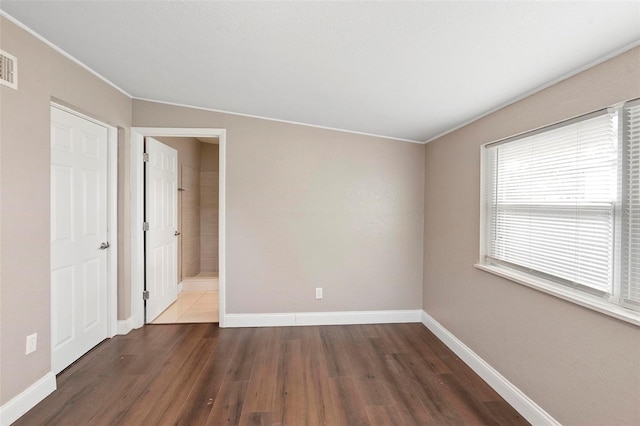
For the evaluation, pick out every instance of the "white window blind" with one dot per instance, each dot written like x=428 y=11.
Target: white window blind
x=551 y=202
x=631 y=216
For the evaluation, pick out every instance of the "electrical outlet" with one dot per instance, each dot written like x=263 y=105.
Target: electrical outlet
x=32 y=343
x=318 y=292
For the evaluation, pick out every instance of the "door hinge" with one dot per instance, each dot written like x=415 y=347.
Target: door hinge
x=145 y=226
x=145 y=295
x=145 y=157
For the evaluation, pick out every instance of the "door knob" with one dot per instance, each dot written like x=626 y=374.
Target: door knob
x=104 y=246
x=176 y=233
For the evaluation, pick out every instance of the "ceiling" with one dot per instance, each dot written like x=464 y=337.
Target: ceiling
x=407 y=70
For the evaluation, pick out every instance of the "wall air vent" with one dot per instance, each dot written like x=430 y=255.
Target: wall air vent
x=8 y=70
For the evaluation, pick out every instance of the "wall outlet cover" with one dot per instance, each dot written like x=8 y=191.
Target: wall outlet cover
x=32 y=343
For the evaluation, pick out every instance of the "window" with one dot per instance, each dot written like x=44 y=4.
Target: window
x=561 y=210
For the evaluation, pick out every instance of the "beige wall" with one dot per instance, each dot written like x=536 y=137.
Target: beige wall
x=209 y=182
x=189 y=157
x=190 y=221
x=25 y=185
x=309 y=207
x=579 y=365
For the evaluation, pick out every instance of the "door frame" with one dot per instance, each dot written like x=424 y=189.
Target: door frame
x=112 y=216
x=137 y=212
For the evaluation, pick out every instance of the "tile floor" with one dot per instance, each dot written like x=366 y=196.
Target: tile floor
x=191 y=306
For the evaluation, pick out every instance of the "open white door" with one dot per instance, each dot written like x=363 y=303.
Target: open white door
x=79 y=292
x=161 y=176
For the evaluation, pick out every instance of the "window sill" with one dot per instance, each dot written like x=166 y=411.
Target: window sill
x=570 y=295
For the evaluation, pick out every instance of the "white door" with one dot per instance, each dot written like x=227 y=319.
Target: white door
x=78 y=229
x=161 y=211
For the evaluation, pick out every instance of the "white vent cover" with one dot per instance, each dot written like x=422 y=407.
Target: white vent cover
x=8 y=70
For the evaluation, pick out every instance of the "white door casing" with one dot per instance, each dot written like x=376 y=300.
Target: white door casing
x=138 y=135
x=161 y=241
x=79 y=210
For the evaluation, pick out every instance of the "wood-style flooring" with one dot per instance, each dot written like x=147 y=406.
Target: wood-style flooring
x=199 y=374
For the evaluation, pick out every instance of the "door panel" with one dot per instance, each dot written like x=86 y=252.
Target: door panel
x=161 y=241
x=91 y=302
x=61 y=203
x=91 y=195
x=62 y=295
x=78 y=227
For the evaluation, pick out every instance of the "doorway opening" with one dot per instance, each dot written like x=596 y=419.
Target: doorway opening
x=198 y=273
x=197 y=231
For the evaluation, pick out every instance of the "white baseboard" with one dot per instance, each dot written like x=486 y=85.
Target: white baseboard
x=27 y=399
x=531 y=411
x=209 y=284
x=125 y=326
x=321 y=318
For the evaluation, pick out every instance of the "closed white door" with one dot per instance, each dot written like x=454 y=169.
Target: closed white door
x=78 y=237
x=161 y=212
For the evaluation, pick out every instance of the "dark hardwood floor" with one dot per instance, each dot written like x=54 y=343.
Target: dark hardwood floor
x=197 y=374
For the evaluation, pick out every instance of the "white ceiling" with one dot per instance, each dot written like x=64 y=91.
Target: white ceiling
x=408 y=70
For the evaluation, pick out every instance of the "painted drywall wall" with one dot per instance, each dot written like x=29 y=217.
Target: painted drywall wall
x=581 y=366
x=189 y=158
x=209 y=195
x=44 y=75
x=309 y=207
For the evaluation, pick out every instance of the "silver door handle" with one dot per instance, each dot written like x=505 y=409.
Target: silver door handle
x=104 y=246
x=176 y=233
